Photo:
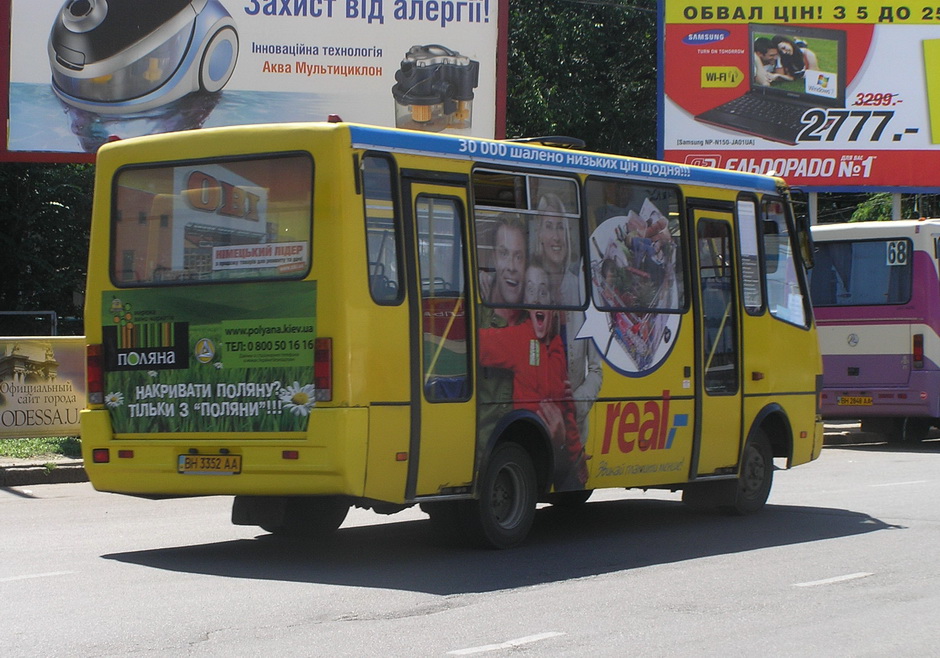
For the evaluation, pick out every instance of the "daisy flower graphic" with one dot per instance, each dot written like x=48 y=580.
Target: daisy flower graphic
x=113 y=400
x=298 y=399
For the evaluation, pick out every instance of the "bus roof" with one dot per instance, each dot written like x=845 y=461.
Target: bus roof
x=877 y=229
x=496 y=152
x=505 y=152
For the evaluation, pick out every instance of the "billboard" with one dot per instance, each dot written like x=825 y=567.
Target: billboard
x=82 y=72
x=833 y=97
x=42 y=386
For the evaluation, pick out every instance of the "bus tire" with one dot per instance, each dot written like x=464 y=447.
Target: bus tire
x=310 y=517
x=910 y=430
x=505 y=510
x=756 y=478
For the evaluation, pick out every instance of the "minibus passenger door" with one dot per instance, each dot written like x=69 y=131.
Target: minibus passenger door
x=443 y=419
x=718 y=385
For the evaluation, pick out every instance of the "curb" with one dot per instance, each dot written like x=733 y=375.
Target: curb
x=18 y=475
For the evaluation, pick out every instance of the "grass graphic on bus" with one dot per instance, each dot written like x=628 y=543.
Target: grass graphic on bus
x=170 y=401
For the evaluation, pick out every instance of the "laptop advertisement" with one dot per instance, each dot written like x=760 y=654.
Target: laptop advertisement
x=793 y=70
x=830 y=97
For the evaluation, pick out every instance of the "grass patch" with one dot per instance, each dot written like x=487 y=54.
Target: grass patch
x=39 y=448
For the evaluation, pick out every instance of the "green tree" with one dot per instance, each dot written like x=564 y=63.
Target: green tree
x=871 y=207
x=876 y=208
x=584 y=69
x=45 y=212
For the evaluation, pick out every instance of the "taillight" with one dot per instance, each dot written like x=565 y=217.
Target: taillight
x=323 y=368
x=918 y=351
x=94 y=374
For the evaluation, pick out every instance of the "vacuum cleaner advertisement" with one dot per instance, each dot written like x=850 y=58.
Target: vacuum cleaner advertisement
x=84 y=72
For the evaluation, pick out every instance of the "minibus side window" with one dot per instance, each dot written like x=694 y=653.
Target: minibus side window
x=381 y=234
x=785 y=294
x=545 y=212
x=636 y=254
x=751 y=288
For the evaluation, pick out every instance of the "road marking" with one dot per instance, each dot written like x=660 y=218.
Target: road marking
x=509 y=644
x=51 y=574
x=899 y=484
x=835 y=579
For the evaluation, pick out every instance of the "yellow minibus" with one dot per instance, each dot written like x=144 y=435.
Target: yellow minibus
x=315 y=316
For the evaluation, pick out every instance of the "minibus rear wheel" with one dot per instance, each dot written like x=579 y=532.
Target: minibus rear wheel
x=505 y=510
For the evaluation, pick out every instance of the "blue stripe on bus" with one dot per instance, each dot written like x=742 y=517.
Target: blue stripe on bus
x=505 y=152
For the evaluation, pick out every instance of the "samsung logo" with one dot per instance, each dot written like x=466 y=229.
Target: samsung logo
x=706 y=36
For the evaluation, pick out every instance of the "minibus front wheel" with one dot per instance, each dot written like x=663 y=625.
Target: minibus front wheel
x=748 y=492
x=756 y=478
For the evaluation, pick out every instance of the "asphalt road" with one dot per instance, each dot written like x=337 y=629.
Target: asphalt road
x=842 y=562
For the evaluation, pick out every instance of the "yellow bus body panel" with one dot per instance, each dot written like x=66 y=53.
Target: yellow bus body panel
x=387 y=461
x=331 y=459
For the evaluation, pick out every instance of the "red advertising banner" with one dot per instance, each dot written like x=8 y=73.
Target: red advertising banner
x=831 y=96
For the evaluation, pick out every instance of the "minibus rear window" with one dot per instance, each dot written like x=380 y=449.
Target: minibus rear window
x=218 y=220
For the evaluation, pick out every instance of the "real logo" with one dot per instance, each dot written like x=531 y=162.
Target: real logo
x=646 y=429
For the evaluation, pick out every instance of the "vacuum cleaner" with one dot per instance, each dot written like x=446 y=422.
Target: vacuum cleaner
x=128 y=56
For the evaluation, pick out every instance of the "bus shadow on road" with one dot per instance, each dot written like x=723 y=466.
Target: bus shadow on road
x=593 y=539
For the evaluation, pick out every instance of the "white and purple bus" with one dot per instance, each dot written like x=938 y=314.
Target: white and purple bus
x=876 y=294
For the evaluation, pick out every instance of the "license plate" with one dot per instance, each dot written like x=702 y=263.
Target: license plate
x=855 y=401
x=209 y=464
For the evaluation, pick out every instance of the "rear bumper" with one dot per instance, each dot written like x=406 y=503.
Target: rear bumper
x=920 y=398
x=330 y=459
